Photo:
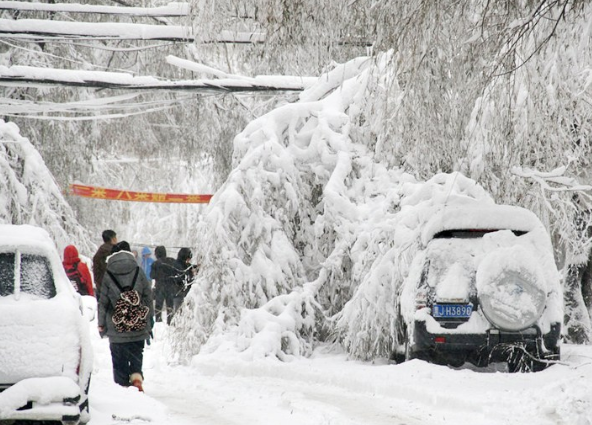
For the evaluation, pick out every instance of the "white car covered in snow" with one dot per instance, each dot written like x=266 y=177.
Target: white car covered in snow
x=485 y=288
x=45 y=350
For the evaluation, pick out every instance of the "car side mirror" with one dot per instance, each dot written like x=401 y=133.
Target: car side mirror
x=88 y=307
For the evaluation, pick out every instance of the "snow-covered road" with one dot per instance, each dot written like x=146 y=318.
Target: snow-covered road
x=328 y=389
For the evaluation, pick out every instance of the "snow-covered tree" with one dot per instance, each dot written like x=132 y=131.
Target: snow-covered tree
x=30 y=195
x=470 y=87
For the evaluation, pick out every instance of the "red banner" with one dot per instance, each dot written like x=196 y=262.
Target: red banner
x=128 y=195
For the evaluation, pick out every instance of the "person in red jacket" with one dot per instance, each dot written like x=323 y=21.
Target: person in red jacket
x=77 y=271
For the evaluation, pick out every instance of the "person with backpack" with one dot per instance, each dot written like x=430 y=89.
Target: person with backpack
x=185 y=272
x=77 y=271
x=125 y=315
x=163 y=272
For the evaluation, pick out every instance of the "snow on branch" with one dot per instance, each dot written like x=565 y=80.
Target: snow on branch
x=276 y=79
x=24 y=76
x=197 y=67
x=33 y=29
x=170 y=10
x=29 y=28
x=557 y=177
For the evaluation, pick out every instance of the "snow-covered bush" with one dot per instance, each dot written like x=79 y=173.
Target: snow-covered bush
x=29 y=193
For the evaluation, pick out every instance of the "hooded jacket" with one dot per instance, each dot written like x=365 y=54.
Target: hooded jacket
x=147 y=261
x=123 y=266
x=163 y=271
x=72 y=261
x=185 y=272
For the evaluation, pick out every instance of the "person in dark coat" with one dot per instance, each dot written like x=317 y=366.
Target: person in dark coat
x=163 y=272
x=185 y=274
x=100 y=258
x=74 y=267
x=127 y=347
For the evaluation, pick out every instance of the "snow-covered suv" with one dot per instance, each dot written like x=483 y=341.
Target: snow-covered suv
x=483 y=288
x=45 y=354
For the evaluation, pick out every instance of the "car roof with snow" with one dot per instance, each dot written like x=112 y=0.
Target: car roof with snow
x=480 y=217
x=23 y=234
x=34 y=240
x=31 y=238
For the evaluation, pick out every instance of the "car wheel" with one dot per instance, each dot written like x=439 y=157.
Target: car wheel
x=398 y=355
x=411 y=354
x=85 y=405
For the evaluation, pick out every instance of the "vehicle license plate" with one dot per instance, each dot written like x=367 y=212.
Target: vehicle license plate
x=452 y=310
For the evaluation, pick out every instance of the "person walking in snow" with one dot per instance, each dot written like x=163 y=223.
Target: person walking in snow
x=100 y=258
x=125 y=317
x=163 y=272
x=147 y=261
x=77 y=271
x=185 y=274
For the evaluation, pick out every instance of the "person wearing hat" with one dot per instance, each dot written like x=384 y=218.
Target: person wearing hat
x=185 y=274
x=128 y=326
x=163 y=272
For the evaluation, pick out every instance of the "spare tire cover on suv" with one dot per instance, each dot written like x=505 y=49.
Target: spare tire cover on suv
x=511 y=288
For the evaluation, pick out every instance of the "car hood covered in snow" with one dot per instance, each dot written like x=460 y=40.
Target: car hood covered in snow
x=39 y=338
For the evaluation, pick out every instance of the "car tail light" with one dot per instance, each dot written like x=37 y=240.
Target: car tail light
x=421 y=300
x=440 y=340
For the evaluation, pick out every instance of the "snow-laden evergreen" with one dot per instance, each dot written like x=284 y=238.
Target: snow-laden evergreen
x=30 y=195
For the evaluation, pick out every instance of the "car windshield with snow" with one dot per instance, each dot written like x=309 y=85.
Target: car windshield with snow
x=487 y=290
x=46 y=356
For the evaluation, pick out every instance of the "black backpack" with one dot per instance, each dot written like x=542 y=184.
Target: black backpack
x=128 y=313
x=76 y=279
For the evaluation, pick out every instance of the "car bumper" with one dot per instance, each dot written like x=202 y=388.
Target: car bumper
x=41 y=399
x=490 y=344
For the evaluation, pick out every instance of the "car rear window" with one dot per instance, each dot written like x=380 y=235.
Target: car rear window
x=36 y=277
x=469 y=233
x=452 y=258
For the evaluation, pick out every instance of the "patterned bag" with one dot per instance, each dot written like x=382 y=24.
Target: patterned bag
x=129 y=314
